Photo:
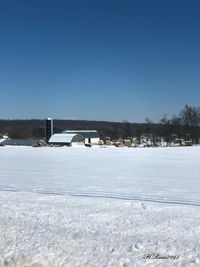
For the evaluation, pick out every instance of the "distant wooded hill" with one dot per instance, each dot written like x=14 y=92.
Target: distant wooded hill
x=36 y=128
x=186 y=125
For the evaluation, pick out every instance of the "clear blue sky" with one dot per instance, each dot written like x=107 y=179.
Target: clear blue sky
x=100 y=60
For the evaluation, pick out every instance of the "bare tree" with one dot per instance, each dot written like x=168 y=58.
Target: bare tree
x=190 y=117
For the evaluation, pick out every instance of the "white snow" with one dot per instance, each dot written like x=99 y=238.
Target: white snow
x=99 y=207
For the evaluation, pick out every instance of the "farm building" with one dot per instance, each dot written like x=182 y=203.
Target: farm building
x=179 y=142
x=49 y=129
x=67 y=139
x=19 y=142
x=127 y=143
x=188 y=143
x=89 y=136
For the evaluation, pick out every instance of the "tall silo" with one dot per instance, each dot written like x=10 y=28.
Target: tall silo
x=49 y=128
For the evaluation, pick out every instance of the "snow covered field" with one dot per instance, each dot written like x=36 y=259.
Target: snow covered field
x=99 y=206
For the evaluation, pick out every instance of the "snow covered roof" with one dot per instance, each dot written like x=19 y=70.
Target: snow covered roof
x=78 y=131
x=83 y=133
x=65 y=138
x=19 y=142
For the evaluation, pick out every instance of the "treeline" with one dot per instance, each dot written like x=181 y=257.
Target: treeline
x=184 y=125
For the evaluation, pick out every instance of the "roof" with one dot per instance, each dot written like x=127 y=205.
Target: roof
x=65 y=138
x=19 y=142
x=83 y=133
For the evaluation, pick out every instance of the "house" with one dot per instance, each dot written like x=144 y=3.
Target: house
x=89 y=136
x=66 y=139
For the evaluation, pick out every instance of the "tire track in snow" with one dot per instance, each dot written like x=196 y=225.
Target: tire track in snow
x=107 y=196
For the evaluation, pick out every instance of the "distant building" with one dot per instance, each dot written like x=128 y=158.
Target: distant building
x=119 y=144
x=179 y=142
x=67 y=139
x=101 y=142
x=90 y=136
x=188 y=143
x=3 y=137
x=127 y=143
x=108 y=143
x=48 y=129
x=19 y=142
x=1 y=140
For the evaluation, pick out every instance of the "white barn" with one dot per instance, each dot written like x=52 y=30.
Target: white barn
x=66 y=139
x=90 y=136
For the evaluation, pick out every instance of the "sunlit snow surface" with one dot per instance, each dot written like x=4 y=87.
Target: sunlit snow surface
x=79 y=206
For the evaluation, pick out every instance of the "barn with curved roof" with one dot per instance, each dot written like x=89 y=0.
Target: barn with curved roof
x=66 y=139
x=90 y=136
